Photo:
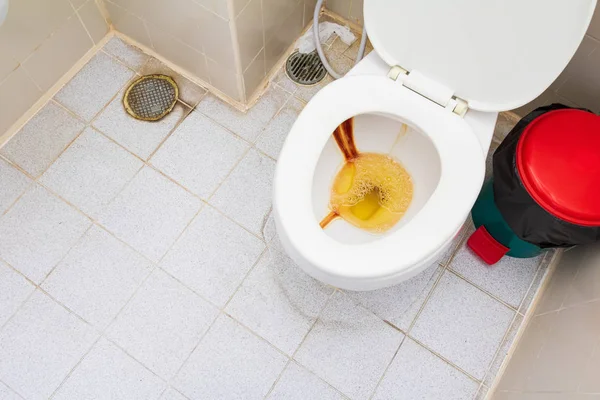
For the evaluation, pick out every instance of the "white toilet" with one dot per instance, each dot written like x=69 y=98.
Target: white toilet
x=428 y=95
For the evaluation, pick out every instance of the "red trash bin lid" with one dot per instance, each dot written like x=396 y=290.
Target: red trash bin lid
x=558 y=160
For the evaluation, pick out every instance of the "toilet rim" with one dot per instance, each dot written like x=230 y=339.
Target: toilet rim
x=462 y=172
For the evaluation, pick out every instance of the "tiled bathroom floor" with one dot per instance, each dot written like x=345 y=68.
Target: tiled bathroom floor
x=134 y=265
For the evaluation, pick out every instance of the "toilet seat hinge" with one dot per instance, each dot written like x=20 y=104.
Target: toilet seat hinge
x=430 y=89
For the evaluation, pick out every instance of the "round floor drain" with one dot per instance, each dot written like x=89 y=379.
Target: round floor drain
x=151 y=97
x=305 y=69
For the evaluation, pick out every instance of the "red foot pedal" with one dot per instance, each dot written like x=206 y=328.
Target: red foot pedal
x=486 y=247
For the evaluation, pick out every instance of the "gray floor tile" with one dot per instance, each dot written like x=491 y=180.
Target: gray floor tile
x=349 y=347
x=162 y=323
x=140 y=137
x=93 y=87
x=91 y=172
x=246 y=194
x=230 y=363
x=282 y=80
x=463 y=324
x=40 y=345
x=150 y=213
x=172 y=394
x=416 y=373
x=199 y=154
x=213 y=256
x=108 y=373
x=278 y=300
x=13 y=182
x=400 y=304
x=42 y=139
x=503 y=351
x=272 y=138
x=97 y=277
x=14 y=290
x=8 y=394
x=129 y=55
x=296 y=383
x=465 y=230
x=303 y=92
x=38 y=231
x=509 y=279
x=250 y=124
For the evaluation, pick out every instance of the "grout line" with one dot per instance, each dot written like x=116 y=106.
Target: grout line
x=81 y=20
x=512 y=308
x=387 y=368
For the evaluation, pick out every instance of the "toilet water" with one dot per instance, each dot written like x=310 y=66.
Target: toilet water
x=371 y=191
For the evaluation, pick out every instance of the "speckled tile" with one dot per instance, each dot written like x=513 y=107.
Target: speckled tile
x=42 y=139
x=8 y=394
x=247 y=125
x=446 y=256
x=230 y=362
x=463 y=324
x=172 y=394
x=278 y=300
x=189 y=92
x=416 y=373
x=349 y=347
x=482 y=393
x=296 y=383
x=503 y=350
x=14 y=289
x=97 y=277
x=13 y=182
x=150 y=213
x=509 y=279
x=94 y=85
x=400 y=304
x=245 y=196
x=91 y=172
x=129 y=55
x=140 y=137
x=38 y=231
x=199 y=154
x=213 y=256
x=162 y=323
x=273 y=136
x=282 y=80
x=304 y=92
x=108 y=373
x=40 y=345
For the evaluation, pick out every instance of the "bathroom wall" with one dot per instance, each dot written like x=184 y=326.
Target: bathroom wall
x=39 y=42
x=558 y=355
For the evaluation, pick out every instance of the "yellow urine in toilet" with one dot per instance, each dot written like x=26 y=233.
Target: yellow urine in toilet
x=371 y=192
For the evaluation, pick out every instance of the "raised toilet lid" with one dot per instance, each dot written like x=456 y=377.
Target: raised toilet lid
x=497 y=55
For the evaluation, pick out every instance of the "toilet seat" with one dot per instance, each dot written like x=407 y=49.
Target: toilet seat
x=400 y=254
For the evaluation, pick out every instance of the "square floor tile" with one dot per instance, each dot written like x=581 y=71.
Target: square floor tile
x=8 y=394
x=40 y=345
x=282 y=80
x=42 y=139
x=213 y=256
x=296 y=383
x=129 y=55
x=278 y=300
x=465 y=230
x=172 y=394
x=199 y=154
x=14 y=289
x=140 y=137
x=150 y=213
x=246 y=194
x=189 y=92
x=38 y=231
x=273 y=136
x=13 y=183
x=400 y=304
x=509 y=279
x=93 y=87
x=162 y=323
x=349 y=347
x=108 y=373
x=463 y=324
x=97 y=277
x=305 y=93
x=416 y=373
x=250 y=124
x=91 y=172
x=230 y=363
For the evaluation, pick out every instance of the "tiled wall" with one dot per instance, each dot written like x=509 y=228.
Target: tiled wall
x=558 y=356
x=39 y=42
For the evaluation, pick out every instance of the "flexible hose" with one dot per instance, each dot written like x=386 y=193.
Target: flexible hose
x=361 y=48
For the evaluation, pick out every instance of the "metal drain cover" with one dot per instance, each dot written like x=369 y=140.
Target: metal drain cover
x=151 y=97
x=305 y=69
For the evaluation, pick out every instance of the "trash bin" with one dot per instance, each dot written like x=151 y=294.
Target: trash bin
x=545 y=190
